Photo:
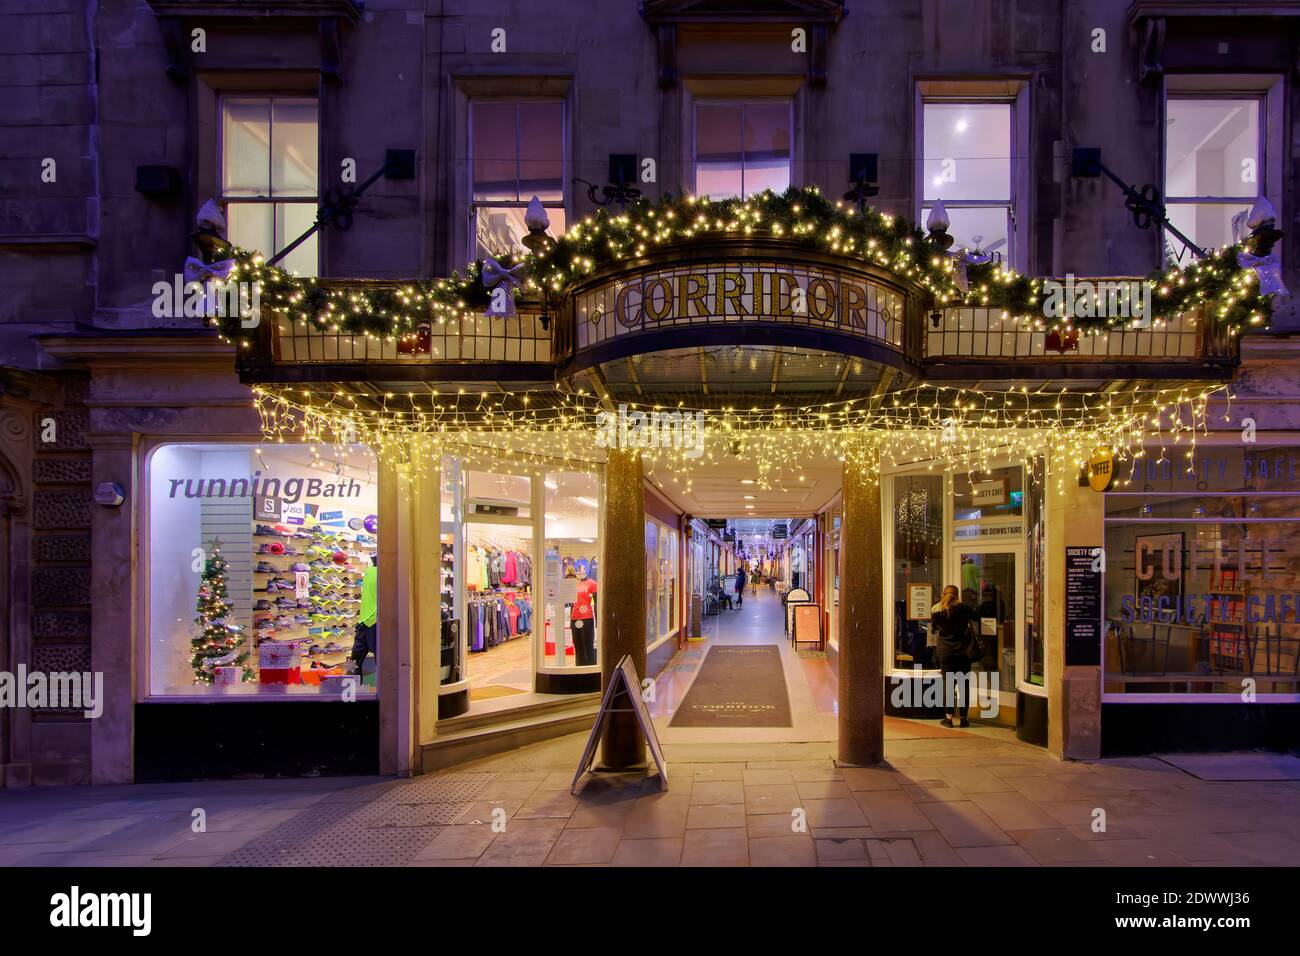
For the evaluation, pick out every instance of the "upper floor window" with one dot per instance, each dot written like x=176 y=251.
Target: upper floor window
x=967 y=149
x=516 y=152
x=1214 y=164
x=269 y=175
x=742 y=147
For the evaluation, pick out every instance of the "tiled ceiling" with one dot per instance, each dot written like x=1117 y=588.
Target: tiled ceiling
x=718 y=490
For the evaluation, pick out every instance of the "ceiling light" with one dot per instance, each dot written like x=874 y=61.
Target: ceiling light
x=749 y=506
x=748 y=497
x=746 y=481
x=961 y=126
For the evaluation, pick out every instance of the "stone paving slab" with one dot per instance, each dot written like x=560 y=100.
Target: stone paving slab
x=985 y=800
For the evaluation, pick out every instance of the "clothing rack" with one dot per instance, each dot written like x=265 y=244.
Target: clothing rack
x=496 y=618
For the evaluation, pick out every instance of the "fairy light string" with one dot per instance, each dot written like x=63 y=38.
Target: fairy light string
x=944 y=426
x=386 y=311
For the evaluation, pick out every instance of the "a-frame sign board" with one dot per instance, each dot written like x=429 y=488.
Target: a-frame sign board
x=624 y=687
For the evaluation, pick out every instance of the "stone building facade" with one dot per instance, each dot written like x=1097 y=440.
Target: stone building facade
x=111 y=141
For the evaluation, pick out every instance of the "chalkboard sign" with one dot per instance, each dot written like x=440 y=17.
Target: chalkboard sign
x=1083 y=609
x=807 y=624
x=624 y=686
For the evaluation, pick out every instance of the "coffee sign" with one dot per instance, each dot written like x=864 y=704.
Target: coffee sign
x=1101 y=468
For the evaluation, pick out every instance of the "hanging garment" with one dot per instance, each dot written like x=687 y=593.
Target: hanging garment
x=510 y=575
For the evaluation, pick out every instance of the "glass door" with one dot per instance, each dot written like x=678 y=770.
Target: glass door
x=992 y=585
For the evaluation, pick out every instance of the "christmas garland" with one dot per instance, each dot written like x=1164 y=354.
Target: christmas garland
x=803 y=216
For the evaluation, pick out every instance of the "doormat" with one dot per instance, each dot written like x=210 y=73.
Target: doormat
x=740 y=686
x=812 y=655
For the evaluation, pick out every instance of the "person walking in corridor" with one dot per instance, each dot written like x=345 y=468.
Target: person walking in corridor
x=952 y=621
x=740 y=586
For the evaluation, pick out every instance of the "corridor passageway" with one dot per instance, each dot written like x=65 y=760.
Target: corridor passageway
x=738 y=707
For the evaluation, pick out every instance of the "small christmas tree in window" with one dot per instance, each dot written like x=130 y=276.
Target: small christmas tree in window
x=217 y=643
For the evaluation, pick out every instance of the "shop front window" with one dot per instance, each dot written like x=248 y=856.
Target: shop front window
x=918 y=566
x=572 y=594
x=1202 y=564
x=262 y=564
x=1034 y=660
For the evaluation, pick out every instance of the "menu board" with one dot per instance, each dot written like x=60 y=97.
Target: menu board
x=1083 y=608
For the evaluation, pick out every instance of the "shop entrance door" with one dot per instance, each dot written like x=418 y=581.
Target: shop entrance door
x=992 y=584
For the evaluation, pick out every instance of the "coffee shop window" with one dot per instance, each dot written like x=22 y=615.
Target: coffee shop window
x=261 y=565
x=1202 y=563
x=917 y=504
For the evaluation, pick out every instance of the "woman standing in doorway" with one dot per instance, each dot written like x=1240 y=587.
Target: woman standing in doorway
x=952 y=621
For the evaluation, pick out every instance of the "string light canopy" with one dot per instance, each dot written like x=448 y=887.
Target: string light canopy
x=946 y=426
x=1215 y=286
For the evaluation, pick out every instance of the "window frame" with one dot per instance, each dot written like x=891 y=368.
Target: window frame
x=742 y=102
x=225 y=201
x=1012 y=253
x=473 y=205
x=1260 y=97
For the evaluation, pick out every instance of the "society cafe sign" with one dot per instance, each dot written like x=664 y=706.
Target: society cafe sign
x=742 y=290
x=1101 y=468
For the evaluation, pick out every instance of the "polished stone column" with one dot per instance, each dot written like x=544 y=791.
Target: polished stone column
x=621 y=598
x=861 y=621
x=394 y=617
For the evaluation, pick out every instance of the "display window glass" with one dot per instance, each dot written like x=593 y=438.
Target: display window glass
x=661 y=546
x=262 y=570
x=988 y=504
x=453 y=645
x=1202 y=574
x=498 y=560
x=572 y=569
x=918 y=566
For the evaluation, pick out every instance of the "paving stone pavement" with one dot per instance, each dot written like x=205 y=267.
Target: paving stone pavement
x=977 y=800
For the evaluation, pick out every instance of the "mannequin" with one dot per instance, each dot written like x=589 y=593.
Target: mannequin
x=366 y=639
x=582 y=619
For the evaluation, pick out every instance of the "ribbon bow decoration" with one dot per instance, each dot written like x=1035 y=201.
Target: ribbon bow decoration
x=209 y=275
x=196 y=270
x=1268 y=269
x=502 y=282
